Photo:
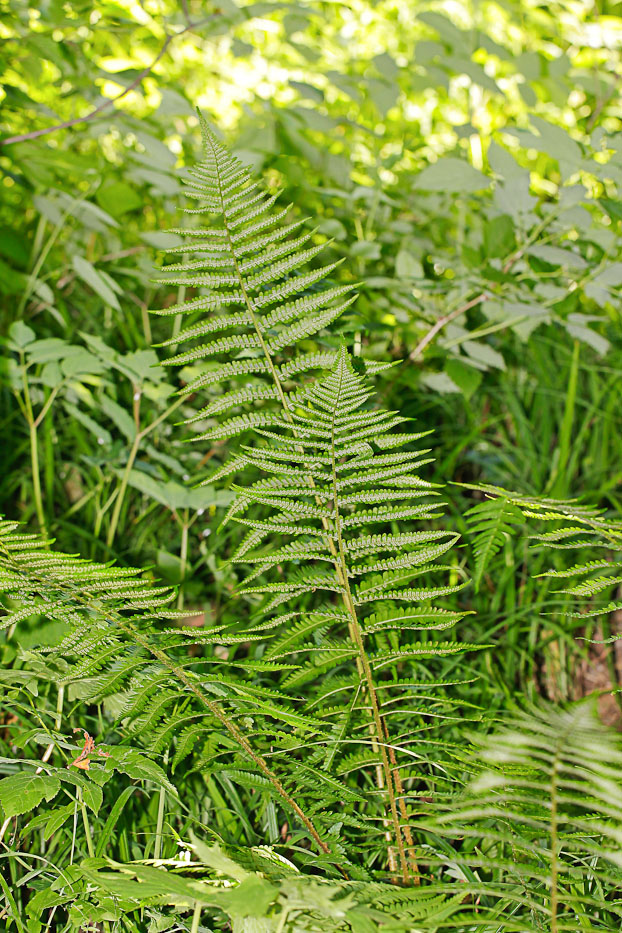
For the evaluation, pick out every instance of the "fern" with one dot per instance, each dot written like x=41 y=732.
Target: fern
x=321 y=477
x=109 y=613
x=335 y=481
x=576 y=527
x=263 y=301
x=539 y=829
x=490 y=523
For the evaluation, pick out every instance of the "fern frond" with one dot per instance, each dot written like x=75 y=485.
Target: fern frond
x=113 y=616
x=490 y=523
x=544 y=817
x=258 y=265
x=320 y=472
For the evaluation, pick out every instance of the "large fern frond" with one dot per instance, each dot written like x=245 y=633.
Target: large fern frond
x=115 y=638
x=336 y=485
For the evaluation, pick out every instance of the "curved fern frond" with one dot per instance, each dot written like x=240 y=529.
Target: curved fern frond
x=112 y=618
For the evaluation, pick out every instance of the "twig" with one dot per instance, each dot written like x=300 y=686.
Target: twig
x=442 y=321
x=602 y=103
x=473 y=302
x=23 y=137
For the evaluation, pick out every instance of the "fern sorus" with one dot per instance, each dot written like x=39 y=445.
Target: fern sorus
x=259 y=298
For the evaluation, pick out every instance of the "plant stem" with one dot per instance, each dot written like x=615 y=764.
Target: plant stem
x=558 y=481
x=36 y=478
x=483 y=296
x=34 y=450
x=554 y=846
x=157 y=848
x=109 y=102
x=114 y=521
x=366 y=667
x=140 y=435
x=87 y=828
x=196 y=917
x=183 y=556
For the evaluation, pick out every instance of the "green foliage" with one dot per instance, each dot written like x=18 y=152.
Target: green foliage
x=490 y=523
x=539 y=828
x=286 y=752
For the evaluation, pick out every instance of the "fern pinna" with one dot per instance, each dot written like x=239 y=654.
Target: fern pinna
x=335 y=484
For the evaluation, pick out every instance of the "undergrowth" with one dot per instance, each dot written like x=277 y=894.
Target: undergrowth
x=318 y=758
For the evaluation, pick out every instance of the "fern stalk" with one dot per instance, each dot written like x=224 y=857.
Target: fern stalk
x=363 y=660
x=554 y=841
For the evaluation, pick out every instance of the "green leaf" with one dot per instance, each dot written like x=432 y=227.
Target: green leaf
x=80 y=362
x=20 y=335
x=612 y=208
x=57 y=818
x=89 y=274
x=408 y=266
x=465 y=377
x=22 y=792
x=452 y=175
x=42 y=351
x=118 y=198
x=137 y=766
x=104 y=438
x=119 y=416
x=499 y=239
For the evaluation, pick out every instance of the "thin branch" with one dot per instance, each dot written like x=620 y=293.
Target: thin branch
x=483 y=296
x=602 y=103
x=35 y=134
x=442 y=321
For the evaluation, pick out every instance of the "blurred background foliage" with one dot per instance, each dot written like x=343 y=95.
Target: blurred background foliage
x=463 y=158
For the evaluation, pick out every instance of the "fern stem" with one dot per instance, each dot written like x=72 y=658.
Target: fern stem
x=554 y=846
x=366 y=667
x=213 y=708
